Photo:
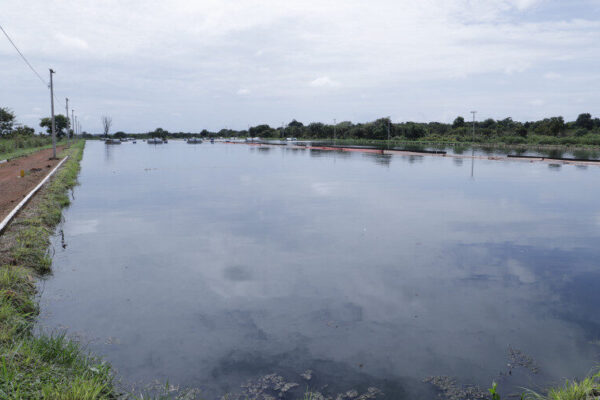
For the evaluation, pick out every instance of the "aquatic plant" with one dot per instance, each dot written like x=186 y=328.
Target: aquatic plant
x=586 y=389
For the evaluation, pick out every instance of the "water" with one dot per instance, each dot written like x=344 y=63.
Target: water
x=209 y=265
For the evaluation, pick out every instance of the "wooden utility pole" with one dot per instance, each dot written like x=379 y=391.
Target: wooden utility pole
x=52 y=109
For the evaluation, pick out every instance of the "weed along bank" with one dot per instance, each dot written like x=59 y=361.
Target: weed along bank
x=41 y=365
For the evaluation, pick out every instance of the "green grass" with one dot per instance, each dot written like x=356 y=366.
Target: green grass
x=42 y=366
x=18 y=147
x=586 y=389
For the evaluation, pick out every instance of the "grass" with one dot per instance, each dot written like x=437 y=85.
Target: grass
x=42 y=366
x=586 y=389
x=22 y=146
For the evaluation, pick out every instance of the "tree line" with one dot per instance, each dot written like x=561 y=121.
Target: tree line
x=9 y=127
x=584 y=130
x=555 y=130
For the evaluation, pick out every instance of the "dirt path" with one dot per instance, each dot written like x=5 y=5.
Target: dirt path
x=12 y=187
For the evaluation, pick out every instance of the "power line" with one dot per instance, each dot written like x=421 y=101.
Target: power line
x=23 y=57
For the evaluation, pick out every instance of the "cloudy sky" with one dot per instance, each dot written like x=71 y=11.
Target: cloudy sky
x=190 y=65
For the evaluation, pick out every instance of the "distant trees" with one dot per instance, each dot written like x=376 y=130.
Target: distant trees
x=60 y=123
x=261 y=130
x=23 y=130
x=159 y=133
x=106 y=124
x=7 y=120
x=584 y=121
x=459 y=122
x=120 y=135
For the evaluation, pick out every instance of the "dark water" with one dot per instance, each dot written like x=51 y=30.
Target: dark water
x=209 y=265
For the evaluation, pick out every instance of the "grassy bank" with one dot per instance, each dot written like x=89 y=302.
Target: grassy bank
x=41 y=367
x=18 y=147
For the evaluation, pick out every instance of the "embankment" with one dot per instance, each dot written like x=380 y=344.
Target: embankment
x=41 y=366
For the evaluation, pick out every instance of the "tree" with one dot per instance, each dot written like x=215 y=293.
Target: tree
x=60 y=123
x=295 y=124
x=23 y=130
x=585 y=121
x=459 y=122
x=522 y=131
x=106 y=124
x=261 y=130
x=159 y=132
x=488 y=123
x=7 y=119
x=120 y=135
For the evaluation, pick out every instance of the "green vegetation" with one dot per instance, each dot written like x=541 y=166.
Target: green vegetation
x=584 y=131
x=587 y=389
x=21 y=146
x=19 y=140
x=41 y=366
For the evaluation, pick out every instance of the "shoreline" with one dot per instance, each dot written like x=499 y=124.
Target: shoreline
x=53 y=366
x=46 y=365
x=349 y=148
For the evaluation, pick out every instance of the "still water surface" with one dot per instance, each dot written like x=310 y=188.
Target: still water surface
x=209 y=265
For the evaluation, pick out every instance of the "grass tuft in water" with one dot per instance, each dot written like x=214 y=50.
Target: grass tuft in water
x=586 y=389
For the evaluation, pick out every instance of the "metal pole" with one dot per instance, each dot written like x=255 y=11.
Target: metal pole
x=73 y=122
x=52 y=109
x=68 y=121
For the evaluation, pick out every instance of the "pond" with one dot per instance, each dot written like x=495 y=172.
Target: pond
x=212 y=265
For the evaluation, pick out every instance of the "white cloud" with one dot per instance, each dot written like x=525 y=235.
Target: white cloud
x=324 y=81
x=552 y=75
x=398 y=54
x=72 y=42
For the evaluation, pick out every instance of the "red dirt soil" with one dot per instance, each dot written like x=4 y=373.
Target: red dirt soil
x=13 y=188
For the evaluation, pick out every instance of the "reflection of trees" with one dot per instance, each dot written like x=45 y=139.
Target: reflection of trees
x=413 y=159
x=108 y=152
x=460 y=149
x=458 y=161
x=329 y=153
x=586 y=154
x=381 y=159
x=294 y=150
x=555 y=166
x=554 y=153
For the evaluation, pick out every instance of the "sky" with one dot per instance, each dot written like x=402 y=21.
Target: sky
x=211 y=64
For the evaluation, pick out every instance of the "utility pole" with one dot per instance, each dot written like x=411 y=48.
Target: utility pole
x=68 y=121
x=73 y=122
x=473 y=112
x=52 y=109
